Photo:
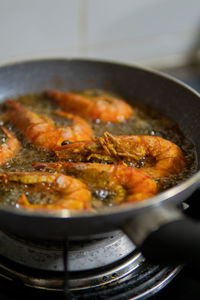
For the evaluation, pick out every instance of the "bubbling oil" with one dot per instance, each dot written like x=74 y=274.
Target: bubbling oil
x=145 y=121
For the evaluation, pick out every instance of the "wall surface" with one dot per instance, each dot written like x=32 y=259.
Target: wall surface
x=134 y=31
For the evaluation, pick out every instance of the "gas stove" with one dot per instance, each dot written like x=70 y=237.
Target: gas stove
x=106 y=268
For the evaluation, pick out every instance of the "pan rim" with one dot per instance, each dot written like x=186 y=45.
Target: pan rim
x=136 y=206
x=101 y=61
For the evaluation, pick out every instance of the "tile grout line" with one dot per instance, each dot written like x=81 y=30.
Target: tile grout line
x=83 y=27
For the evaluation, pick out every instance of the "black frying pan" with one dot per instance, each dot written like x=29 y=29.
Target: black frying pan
x=158 y=214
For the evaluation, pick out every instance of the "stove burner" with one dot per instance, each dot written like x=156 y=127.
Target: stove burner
x=82 y=255
x=140 y=281
x=76 y=280
x=109 y=265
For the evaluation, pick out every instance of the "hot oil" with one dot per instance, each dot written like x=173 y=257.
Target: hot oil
x=144 y=121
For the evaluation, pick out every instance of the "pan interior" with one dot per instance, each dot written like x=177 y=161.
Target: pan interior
x=133 y=84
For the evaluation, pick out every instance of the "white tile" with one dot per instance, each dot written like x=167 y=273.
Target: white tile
x=143 y=49
x=32 y=27
x=124 y=30
x=55 y=53
x=116 y=20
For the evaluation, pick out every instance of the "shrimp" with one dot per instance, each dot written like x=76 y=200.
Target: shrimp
x=41 y=131
x=104 y=108
x=138 y=186
x=165 y=157
x=71 y=193
x=10 y=148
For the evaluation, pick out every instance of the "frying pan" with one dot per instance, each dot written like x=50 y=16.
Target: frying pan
x=157 y=224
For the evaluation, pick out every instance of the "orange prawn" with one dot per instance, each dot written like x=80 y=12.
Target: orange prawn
x=104 y=108
x=138 y=186
x=10 y=148
x=71 y=193
x=166 y=157
x=41 y=131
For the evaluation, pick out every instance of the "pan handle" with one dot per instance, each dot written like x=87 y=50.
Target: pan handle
x=177 y=242
x=166 y=235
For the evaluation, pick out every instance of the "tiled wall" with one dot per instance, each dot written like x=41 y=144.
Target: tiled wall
x=147 y=31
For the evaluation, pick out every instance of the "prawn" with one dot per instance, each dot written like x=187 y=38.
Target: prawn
x=71 y=193
x=10 y=148
x=41 y=131
x=138 y=186
x=104 y=108
x=166 y=158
